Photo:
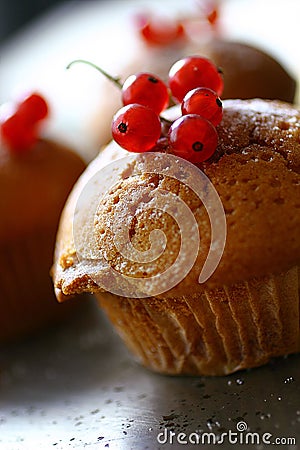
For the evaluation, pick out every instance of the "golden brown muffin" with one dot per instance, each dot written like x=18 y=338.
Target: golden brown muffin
x=248 y=310
x=34 y=187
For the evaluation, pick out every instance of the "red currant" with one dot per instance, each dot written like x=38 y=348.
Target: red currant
x=19 y=131
x=17 y=135
x=161 y=32
x=136 y=128
x=146 y=89
x=210 y=11
x=213 y=16
x=205 y=102
x=33 y=108
x=193 y=138
x=192 y=72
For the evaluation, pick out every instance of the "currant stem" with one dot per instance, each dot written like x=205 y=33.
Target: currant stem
x=115 y=80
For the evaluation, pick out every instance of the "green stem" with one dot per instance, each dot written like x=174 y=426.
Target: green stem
x=116 y=81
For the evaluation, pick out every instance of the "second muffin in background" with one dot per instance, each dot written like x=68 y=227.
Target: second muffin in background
x=36 y=177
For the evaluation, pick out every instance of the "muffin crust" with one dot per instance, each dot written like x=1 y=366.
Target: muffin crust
x=256 y=174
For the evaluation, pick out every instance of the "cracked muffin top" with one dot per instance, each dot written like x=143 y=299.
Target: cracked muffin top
x=256 y=172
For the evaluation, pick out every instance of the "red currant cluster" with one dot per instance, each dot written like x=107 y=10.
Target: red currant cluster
x=157 y=32
x=196 y=83
x=20 y=130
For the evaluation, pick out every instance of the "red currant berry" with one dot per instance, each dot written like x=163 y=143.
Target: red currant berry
x=33 y=108
x=146 y=89
x=192 y=72
x=17 y=135
x=161 y=32
x=193 y=138
x=205 y=102
x=210 y=11
x=213 y=16
x=136 y=128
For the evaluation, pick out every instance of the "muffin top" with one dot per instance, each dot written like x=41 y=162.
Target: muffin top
x=256 y=173
x=35 y=186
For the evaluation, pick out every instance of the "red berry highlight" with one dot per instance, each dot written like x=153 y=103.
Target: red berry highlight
x=193 y=72
x=136 y=128
x=205 y=102
x=146 y=89
x=161 y=32
x=20 y=130
x=213 y=16
x=193 y=138
x=33 y=108
x=17 y=135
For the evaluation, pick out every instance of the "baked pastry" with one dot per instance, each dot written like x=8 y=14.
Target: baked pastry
x=36 y=176
x=247 y=311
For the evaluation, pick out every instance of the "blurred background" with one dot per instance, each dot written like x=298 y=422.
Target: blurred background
x=15 y=14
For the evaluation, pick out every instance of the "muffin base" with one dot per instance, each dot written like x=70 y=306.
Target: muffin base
x=216 y=332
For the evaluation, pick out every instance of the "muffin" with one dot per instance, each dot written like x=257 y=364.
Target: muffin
x=36 y=176
x=247 y=310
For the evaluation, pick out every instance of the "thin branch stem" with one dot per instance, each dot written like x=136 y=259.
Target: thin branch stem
x=115 y=80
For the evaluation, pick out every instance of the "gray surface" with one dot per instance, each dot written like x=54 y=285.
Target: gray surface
x=77 y=387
